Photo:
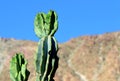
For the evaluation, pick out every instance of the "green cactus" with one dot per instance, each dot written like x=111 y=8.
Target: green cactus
x=18 y=68
x=46 y=24
x=46 y=57
x=46 y=61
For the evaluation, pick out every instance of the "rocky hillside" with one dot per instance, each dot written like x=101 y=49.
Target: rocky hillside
x=86 y=58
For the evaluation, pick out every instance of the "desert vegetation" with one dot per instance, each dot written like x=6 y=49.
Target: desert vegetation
x=46 y=61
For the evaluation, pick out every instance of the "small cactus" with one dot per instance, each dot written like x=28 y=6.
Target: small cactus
x=46 y=57
x=18 y=68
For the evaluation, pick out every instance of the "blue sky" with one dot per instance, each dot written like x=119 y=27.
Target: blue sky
x=76 y=17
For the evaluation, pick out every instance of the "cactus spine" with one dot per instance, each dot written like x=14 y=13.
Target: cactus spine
x=46 y=57
x=18 y=68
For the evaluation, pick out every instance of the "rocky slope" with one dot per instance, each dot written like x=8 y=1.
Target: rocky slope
x=86 y=58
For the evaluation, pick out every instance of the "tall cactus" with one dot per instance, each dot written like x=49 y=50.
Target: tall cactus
x=18 y=68
x=46 y=57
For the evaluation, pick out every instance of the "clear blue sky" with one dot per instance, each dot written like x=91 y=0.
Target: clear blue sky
x=76 y=17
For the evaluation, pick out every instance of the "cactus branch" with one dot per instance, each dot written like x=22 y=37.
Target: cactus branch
x=18 y=68
x=46 y=24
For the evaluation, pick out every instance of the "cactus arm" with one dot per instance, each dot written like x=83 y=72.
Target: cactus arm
x=55 y=59
x=46 y=24
x=18 y=68
x=38 y=25
x=48 y=50
x=13 y=70
x=54 y=23
x=44 y=78
x=41 y=57
x=46 y=58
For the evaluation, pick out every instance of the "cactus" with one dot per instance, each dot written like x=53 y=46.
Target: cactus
x=46 y=57
x=18 y=68
x=46 y=61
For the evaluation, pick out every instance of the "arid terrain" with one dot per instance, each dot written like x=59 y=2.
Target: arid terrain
x=86 y=58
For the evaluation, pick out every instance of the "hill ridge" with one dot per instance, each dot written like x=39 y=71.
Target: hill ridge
x=86 y=58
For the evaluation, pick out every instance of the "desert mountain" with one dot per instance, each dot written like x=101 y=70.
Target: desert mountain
x=86 y=58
